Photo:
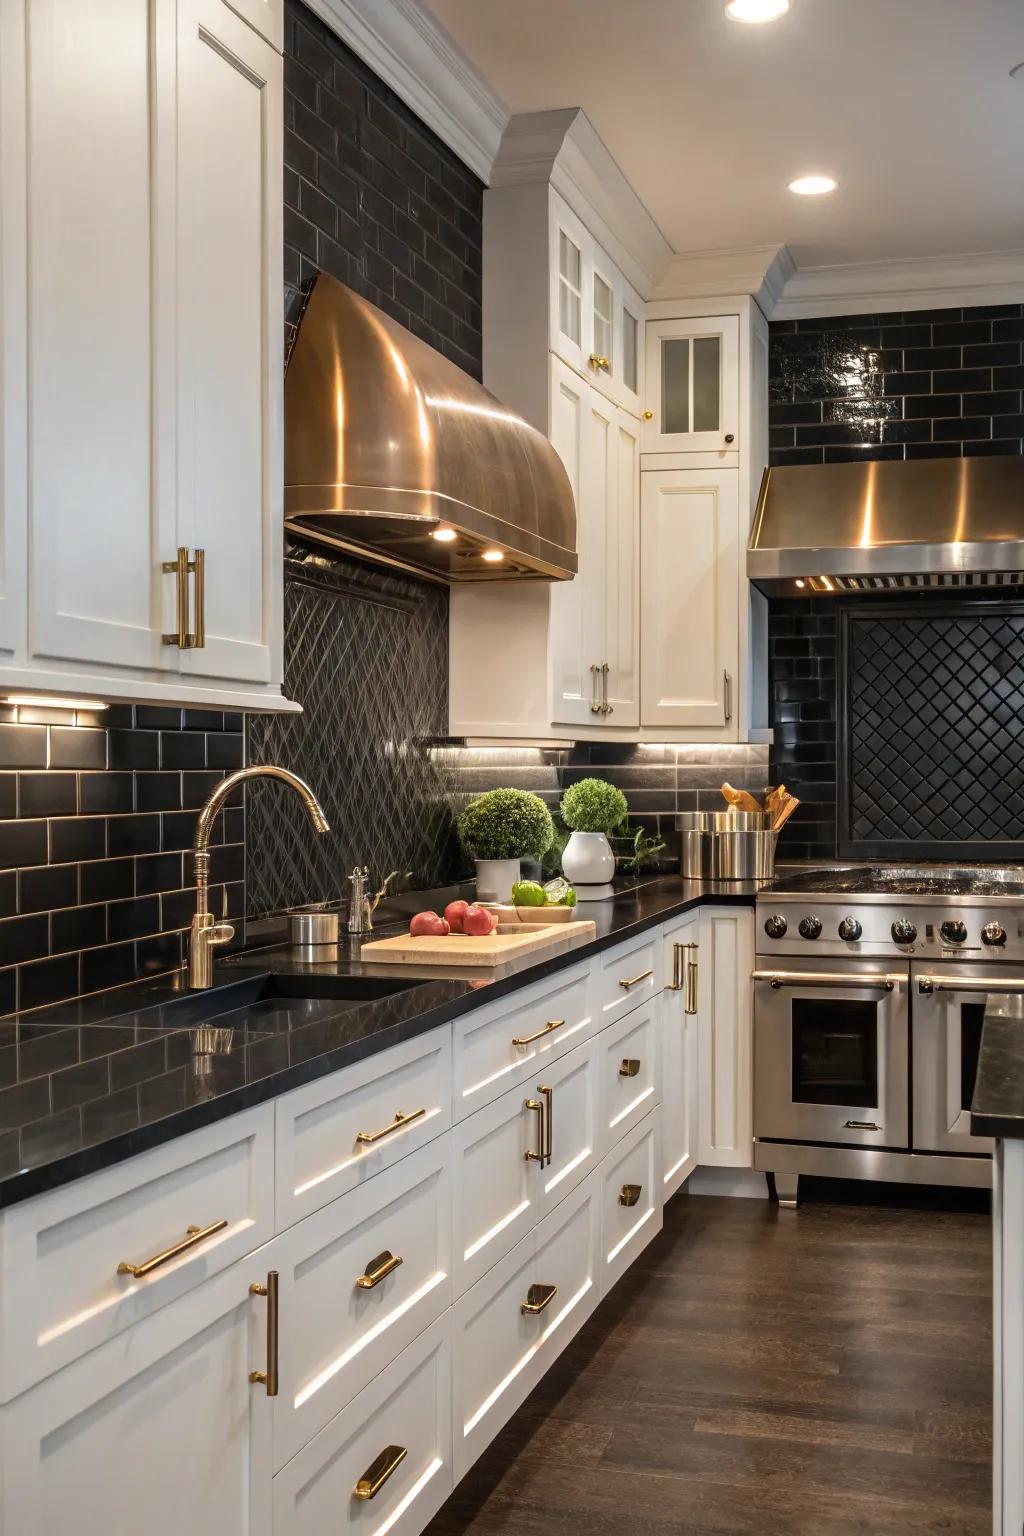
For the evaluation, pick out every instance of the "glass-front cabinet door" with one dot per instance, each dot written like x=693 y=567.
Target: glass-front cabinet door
x=692 y=385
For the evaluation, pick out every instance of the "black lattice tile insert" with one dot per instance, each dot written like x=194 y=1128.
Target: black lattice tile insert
x=935 y=730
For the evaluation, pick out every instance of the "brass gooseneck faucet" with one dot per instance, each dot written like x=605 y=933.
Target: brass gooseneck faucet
x=207 y=933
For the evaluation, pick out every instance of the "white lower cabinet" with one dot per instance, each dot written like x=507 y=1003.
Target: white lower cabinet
x=359 y=1281
x=629 y=1064
x=159 y=1430
x=631 y=1200
x=680 y=1026
x=385 y=1463
x=515 y=1320
x=725 y=1032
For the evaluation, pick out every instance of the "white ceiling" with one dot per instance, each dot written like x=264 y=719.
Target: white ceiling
x=908 y=103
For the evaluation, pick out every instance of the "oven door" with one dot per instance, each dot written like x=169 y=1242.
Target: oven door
x=831 y=1053
x=947 y=1011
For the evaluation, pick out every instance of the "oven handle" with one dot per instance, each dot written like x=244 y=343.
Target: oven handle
x=969 y=984
x=842 y=979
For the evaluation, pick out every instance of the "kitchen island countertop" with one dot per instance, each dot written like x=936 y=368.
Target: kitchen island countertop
x=87 y=1084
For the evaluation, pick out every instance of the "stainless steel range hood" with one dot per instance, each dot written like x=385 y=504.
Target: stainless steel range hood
x=895 y=526
x=387 y=443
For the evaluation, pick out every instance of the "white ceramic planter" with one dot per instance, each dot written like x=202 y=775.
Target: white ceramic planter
x=589 y=864
x=495 y=878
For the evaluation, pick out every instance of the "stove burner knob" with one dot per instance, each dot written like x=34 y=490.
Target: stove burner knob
x=810 y=927
x=903 y=931
x=850 y=929
x=954 y=932
x=775 y=926
x=993 y=933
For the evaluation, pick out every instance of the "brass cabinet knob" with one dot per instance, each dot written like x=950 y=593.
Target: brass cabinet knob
x=648 y=415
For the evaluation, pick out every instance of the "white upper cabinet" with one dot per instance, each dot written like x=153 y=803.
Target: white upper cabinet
x=692 y=389
x=140 y=366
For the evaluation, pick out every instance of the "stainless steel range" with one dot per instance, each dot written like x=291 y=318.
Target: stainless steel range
x=869 y=995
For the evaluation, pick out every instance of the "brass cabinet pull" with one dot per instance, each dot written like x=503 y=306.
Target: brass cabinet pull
x=181 y=567
x=537 y=1108
x=629 y=1194
x=549 y=1123
x=676 y=984
x=598 y=363
x=606 y=708
x=378 y=1269
x=268 y=1378
x=195 y=1235
x=634 y=980
x=378 y=1472
x=367 y=1138
x=549 y=1029
x=595 y=703
x=538 y=1297
x=629 y=1067
x=727 y=694
x=692 y=979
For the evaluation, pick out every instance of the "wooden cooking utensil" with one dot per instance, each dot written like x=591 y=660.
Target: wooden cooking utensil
x=740 y=799
x=784 y=812
x=774 y=798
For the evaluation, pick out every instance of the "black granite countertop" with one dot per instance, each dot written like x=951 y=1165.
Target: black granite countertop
x=997 y=1108
x=87 y=1084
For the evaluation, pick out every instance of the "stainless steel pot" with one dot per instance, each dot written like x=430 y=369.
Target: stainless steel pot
x=313 y=929
x=726 y=845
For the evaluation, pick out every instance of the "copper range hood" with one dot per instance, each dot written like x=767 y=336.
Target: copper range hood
x=388 y=444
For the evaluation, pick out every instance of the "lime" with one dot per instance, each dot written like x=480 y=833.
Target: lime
x=527 y=893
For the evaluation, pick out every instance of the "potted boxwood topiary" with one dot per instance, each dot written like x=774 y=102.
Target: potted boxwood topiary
x=497 y=830
x=591 y=808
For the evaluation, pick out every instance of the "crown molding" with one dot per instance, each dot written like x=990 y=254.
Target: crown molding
x=925 y=282
x=762 y=271
x=403 y=44
x=563 y=149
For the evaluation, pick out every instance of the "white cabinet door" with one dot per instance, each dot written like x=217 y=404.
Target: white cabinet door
x=98 y=118
x=629 y=1063
x=229 y=335
x=570 y=1091
x=692 y=395
x=158 y=1430
x=631 y=1198
x=497 y=1182
x=571 y=269
x=13 y=331
x=621 y=648
x=690 y=551
x=583 y=432
x=680 y=1015
x=726 y=959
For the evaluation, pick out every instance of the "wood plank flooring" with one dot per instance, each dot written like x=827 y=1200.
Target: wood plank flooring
x=761 y=1373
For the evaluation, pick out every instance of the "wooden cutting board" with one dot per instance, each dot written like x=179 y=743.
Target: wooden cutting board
x=508 y=942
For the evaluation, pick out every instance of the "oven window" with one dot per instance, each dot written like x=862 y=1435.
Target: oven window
x=972 y=1016
x=835 y=1052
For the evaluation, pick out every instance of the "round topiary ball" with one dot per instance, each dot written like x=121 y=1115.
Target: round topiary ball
x=506 y=824
x=592 y=805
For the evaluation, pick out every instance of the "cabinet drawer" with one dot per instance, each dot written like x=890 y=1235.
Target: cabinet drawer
x=629 y=1065
x=337 y=1331
x=487 y=1060
x=500 y=1350
x=63 y=1293
x=319 y=1151
x=622 y=977
x=407 y=1408
x=631 y=1200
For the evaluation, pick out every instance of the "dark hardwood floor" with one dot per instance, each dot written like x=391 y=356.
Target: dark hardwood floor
x=762 y=1373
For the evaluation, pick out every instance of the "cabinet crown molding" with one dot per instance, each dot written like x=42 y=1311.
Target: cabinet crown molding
x=562 y=148
x=760 y=271
x=918 y=282
x=412 y=53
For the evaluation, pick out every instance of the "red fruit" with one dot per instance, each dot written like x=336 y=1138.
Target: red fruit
x=428 y=924
x=454 y=912
x=478 y=921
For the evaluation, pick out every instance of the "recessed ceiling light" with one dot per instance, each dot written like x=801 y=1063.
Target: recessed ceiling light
x=812 y=186
x=444 y=535
x=494 y=554
x=756 y=10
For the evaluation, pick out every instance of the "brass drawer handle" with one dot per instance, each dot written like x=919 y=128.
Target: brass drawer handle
x=595 y=703
x=537 y=1108
x=195 y=1235
x=181 y=567
x=367 y=1138
x=378 y=1472
x=629 y=1066
x=268 y=1378
x=545 y=1123
x=676 y=984
x=634 y=980
x=692 y=979
x=378 y=1269
x=549 y=1029
x=629 y=1194
x=538 y=1297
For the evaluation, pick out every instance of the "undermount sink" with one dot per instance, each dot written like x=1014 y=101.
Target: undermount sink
x=320 y=984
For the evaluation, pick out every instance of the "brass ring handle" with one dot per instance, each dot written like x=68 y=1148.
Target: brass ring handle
x=378 y=1269
x=268 y=1378
x=629 y=1194
x=378 y=1472
x=537 y=1298
x=549 y=1029
x=629 y=1067
x=195 y=1235
x=537 y=1108
x=367 y=1138
x=634 y=980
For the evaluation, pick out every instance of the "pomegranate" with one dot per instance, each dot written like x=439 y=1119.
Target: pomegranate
x=478 y=921
x=454 y=913
x=428 y=925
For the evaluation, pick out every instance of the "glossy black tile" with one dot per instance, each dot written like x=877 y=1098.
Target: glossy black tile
x=157 y=872
x=225 y=750
x=110 y=966
x=22 y=746
x=47 y=794
x=158 y=791
x=107 y=880
x=8 y=796
x=106 y=792
x=156 y=717
x=42 y=890
x=84 y=837
x=22 y=843
x=47 y=981
x=139 y=833
x=182 y=749
x=134 y=749
x=78 y=928
x=72 y=747
x=132 y=919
